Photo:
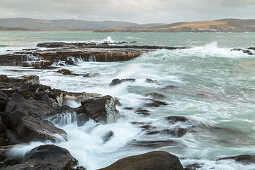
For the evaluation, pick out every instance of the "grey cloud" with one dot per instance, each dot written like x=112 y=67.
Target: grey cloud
x=143 y=11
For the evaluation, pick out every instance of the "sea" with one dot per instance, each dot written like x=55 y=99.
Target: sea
x=208 y=83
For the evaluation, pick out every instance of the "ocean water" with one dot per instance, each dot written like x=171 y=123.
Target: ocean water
x=214 y=88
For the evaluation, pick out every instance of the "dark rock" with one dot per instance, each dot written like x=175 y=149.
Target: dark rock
x=156 y=95
x=66 y=72
x=119 y=81
x=155 y=103
x=147 y=126
x=128 y=108
x=89 y=75
x=170 y=87
x=246 y=51
x=142 y=112
x=38 y=109
x=69 y=61
x=3 y=101
x=247 y=159
x=176 y=119
x=154 y=144
x=177 y=132
x=12 y=137
x=151 y=81
x=29 y=128
x=157 y=160
x=100 y=109
x=193 y=166
x=82 y=119
x=117 y=102
x=107 y=136
x=46 y=157
x=3 y=77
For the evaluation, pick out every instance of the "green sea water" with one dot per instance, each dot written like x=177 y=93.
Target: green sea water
x=215 y=90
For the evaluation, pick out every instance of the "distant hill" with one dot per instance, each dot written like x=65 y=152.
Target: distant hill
x=223 y=25
x=57 y=25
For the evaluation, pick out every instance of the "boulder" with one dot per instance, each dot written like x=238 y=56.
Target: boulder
x=119 y=81
x=176 y=119
x=107 y=136
x=155 y=103
x=3 y=101
x=66 y=72
x=142 y=112
x=89 y=75
x=37 y=109
x=29 y=129
x=100 y=109
x=151 y=81
x=46 y=157
x=246 y=159
x=157 y=160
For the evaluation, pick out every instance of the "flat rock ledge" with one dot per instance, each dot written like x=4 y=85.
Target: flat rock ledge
x=70 y=53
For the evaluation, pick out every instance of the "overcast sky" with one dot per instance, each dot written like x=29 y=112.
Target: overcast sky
x=141 y=11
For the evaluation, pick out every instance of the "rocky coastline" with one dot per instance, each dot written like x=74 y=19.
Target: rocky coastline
x=28 y=108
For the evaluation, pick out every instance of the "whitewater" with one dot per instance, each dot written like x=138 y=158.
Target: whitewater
x=208 y=83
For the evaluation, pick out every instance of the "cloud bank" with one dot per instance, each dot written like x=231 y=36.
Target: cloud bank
x=141 y=11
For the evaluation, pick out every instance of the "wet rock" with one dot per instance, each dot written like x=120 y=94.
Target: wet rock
x=119 y=81
x=11 y=137
x=66 y=72
x=155 y=103
x=246 y=51
x=147 y=127
x=171 y=87
x=155 y=144
x=107 y=136
x=128 y=108
x=33 y=108
x=194 y=166
x=3 y=77
x=151 y=81
x=157 y=160
x=3 y=101
x=82 y=119
x=46 y=157
x=30 y=129
x=246 y=159
x=176 y=132
x=117 y=102
x=176 y=119
x=100 y=109
x=89 y=75
x=155 y=95
x=142 y=112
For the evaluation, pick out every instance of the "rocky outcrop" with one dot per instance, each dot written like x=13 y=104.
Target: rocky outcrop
x=46 y=157
x=31 y=107
x=119 y=81
x=100 y=109
x=66 y=72
x=158 y=160
x=71 y=53
x=28 y=128
x=151 y=81
x=246 y=159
